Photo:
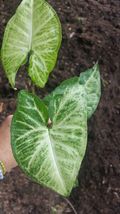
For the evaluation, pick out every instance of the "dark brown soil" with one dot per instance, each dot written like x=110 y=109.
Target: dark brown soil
x=91 y=32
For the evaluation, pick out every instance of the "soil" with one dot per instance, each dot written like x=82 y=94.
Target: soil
x=91 y=32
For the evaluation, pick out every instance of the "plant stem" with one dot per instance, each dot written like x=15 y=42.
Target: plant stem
x=70 y=204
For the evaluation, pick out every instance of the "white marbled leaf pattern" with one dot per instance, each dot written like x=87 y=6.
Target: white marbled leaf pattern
x=91 y=82
x=52 y=155
x=33 y=34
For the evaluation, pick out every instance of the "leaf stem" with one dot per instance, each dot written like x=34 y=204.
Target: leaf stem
x=70 y=204
x=49 y=124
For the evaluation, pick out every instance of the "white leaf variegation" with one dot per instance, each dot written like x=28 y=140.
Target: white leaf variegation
x=33 y=34
x=51 y=154
x=60 y=90
x=90 y=79
x=91 y=82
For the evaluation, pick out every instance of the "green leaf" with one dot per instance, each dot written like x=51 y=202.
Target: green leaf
x=33 y=34
x=90 y=79
x=61 y=89
x=51 y=154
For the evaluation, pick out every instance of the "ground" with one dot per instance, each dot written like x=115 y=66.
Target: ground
x=91 y=32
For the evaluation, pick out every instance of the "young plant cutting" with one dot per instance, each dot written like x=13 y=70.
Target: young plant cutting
x=49 y=136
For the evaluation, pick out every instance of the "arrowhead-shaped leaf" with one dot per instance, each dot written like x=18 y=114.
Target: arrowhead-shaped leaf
x=33 y=34
x=91 y=82
x=59 y=91
x=51 y=154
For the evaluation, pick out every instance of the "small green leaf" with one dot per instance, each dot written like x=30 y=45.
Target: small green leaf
x=90 y=79
x=51 y=155
x=33 y=34
x=59 y=91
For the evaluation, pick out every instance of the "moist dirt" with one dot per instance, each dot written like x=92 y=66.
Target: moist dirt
x=91 y=32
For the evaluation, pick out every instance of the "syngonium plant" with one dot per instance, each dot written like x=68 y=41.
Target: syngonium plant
x=49 y=136
x=33 y=36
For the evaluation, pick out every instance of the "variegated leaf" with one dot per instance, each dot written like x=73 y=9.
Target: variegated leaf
x=33 y=34
x=59 y=91
x=90 y=80
x=51 y=152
